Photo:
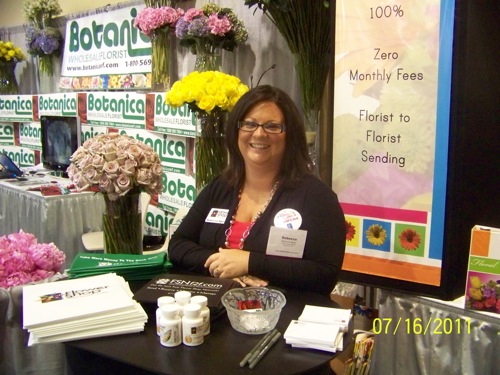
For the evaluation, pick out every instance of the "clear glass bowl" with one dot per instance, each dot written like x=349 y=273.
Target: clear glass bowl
x=253 y=310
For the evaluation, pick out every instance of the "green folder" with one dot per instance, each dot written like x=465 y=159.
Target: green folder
x=130 y=266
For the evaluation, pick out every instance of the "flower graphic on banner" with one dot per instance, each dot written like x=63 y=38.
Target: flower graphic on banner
x=350 y=231
x=483 y=293
x=409 y=239
x=24 y=260
x=376 y=234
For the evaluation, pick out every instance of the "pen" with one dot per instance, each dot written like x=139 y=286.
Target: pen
x=263 y=341
x=265 y=350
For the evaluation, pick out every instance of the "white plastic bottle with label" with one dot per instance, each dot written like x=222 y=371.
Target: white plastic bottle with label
x=182 y=298
x=192 y=325
x=170 y=326
x=165 y=300
x=205 y=312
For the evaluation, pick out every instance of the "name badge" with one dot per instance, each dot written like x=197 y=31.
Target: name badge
x=217 y=216
x=288 y=218
x=286 y=242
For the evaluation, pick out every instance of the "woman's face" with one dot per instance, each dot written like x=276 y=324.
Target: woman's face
x=258 y=148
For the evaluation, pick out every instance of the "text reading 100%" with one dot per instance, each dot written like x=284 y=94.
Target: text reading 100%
x=387 y=11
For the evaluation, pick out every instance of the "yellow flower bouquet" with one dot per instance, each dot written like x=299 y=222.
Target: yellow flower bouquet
x=10 y=55
x=206 y=92
x=210 y=95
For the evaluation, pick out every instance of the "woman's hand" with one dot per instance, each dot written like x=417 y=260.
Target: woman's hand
x=228 y=263
x=233 y=263
x=248 y=280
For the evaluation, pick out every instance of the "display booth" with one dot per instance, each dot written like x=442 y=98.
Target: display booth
x=408 y=138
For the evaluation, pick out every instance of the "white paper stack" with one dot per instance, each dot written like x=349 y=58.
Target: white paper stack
x=81 y=308
x=319 y=328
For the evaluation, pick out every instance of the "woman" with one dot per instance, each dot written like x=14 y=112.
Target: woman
x=267 y=193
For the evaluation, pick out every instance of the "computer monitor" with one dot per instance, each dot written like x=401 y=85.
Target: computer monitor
x=60 y=139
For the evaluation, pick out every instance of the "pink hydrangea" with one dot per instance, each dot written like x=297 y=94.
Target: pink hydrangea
x=24 y=260
x=151 y=18
x=219 y=25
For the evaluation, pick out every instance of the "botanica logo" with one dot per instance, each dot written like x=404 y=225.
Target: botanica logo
x=110 y=34
x=66 y=105
x=20 y=105
x=129 y=106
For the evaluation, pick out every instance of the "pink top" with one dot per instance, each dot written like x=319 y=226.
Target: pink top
x=237 y=233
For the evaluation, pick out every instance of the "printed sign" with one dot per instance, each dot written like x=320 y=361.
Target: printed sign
x=105 y=51
x=392 y=72
x=16 y=108
x=163 y=118
x=178 y=191
x=117 y=109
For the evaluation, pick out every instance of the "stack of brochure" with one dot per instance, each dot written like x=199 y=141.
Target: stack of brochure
x=319 y=328
x=130 y=266
x=67 y=310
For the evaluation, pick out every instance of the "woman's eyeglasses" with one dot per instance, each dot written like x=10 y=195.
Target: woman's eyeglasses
x=269 y=127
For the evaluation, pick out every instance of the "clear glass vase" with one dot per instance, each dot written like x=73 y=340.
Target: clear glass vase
x=311 y=119
x=211 y=156
x=122 y=225
x=8 y=81
x=208 y=61
x=160 y=60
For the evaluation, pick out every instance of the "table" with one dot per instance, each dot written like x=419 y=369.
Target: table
x=446 y=348
x=221 y=352
x=60 y=219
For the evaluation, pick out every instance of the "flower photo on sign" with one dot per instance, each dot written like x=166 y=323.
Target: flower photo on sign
x=483 y=292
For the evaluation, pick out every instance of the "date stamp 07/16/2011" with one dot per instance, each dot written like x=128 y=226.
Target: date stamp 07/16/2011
x=419 y=326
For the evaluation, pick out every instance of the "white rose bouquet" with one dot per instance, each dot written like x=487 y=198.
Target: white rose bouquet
x=120 y=167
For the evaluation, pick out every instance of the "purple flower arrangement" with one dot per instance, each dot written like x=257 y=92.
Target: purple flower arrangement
x=43 y=41
x=24 y=260
x=203 y=30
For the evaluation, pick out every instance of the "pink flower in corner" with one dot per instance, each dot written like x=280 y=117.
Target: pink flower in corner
x=24 y=260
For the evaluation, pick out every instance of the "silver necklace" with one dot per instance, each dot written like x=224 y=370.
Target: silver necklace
x=252 y=223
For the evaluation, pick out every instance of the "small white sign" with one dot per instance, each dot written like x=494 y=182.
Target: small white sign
x=286 y=242
x=217 y=216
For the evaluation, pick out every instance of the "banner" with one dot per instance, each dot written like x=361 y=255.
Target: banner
x=106 y=52
x=391 y=122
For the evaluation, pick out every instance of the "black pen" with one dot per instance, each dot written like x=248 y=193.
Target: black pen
x=255 y=350
x=265 y=350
